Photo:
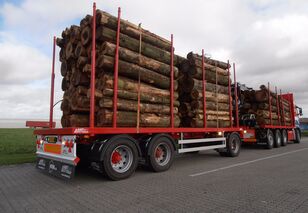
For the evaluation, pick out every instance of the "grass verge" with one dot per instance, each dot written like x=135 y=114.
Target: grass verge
x=17 y=146
x=305 y=133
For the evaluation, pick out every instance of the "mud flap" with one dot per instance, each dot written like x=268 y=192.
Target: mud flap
x=56 y=168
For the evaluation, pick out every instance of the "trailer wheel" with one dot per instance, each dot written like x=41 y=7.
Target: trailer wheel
x=297 y=136
x=277 y=142
x=269 y=139
x=120 y=159
x=160 y=153
x=233 y=145
x=284 y=138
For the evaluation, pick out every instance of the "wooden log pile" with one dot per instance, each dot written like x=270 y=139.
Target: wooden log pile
x=144 y=73
x=191 y=92
x=257 y=102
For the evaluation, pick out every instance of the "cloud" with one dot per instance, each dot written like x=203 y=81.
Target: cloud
x=266 y=38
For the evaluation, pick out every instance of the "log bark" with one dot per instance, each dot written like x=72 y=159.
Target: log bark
x=132 y=71
x=133 y=57
x=207 y=60
x=192 y=83
x=144 y=97
x=132 y=30
x=129 y=119
x=209 y=124
x=210 y=105
x=106 y=81
x=266 y=114
x=107 y=34
x=129 y=105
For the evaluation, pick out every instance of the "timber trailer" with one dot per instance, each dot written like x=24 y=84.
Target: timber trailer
x=269 y=135
x=116 y=151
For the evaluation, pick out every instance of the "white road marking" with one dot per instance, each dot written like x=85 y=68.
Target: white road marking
x=247 y=162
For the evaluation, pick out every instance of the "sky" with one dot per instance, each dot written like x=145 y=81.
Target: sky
x=266 y=39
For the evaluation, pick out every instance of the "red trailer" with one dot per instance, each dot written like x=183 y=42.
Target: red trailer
x=116 y=151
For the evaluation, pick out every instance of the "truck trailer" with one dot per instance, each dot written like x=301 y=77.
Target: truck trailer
x=116 y=151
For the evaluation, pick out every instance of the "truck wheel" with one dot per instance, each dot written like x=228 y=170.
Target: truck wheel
x=269 y=139
x=120 y=159
x=297 y=136
x=277 y=142
x=233 y=145
x=160 y=153
x=284 y=138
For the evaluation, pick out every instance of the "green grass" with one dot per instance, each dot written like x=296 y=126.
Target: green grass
x=305 y=133
x=17 y=146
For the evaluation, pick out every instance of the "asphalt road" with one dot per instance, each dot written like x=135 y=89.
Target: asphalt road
x=257 y=181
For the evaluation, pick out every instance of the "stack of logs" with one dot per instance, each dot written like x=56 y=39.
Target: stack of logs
x=144 y=74
x=257 y=102
x=191 y=92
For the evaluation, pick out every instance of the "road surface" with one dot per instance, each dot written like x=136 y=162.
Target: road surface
x=258 y=180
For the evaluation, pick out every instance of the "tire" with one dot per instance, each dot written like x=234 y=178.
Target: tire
x=284 y=137
x=269 y=139
x=233 y=145
x=120 y=159
x=160 y=153
x=297 y=136
x=278 y=139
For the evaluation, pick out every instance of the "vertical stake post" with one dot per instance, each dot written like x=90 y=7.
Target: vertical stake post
x=52 y=90
x=230 y=95
x=278 y=108
x=203 y=90
x=171 y=85
x=116 y=72
x=236 y=98
x=270 y=102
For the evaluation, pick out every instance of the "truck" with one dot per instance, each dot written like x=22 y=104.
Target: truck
x=268 y=134
x=117 y=151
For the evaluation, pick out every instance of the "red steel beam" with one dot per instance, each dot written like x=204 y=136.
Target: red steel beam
x=270 y=103
x=282 y=109
x=52 y=90
x=278 y=108
x=230 y=95
x=92 y=97
x=116 y=72
x=204 y=90
x=171 y=85
x=236 y=98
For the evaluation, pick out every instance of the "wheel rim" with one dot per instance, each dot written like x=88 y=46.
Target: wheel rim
x=121 y=159
x=234 y=145
x=278 y=140
x=162 y=154
x=270 y=139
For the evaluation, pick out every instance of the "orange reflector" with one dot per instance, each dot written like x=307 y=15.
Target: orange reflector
x=53 y=148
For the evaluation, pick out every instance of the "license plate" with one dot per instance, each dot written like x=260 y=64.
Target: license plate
x=52 y=139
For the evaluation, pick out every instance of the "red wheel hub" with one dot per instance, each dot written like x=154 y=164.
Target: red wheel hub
x=158 y=152
x=116 y=157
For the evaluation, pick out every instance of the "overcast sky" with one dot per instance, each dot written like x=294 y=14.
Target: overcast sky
x=267 y=39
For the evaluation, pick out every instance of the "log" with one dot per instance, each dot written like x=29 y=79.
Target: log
x=223 y=116
x=129 y=119
x=129 y=105
x=265 y=106
x=107 y=34
x=192 y=83
x=80 y=78
x=207 y=60
x=209 y=124
x=144 y=97
x=196 y=72
x=197 y=62
x=106 y=81
x=132 y=30
x=266 y=114
x=78 y=120
x=80 y=50
x=133 y=57
x=265 y=121
x=131 y=70
x=209 y=105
